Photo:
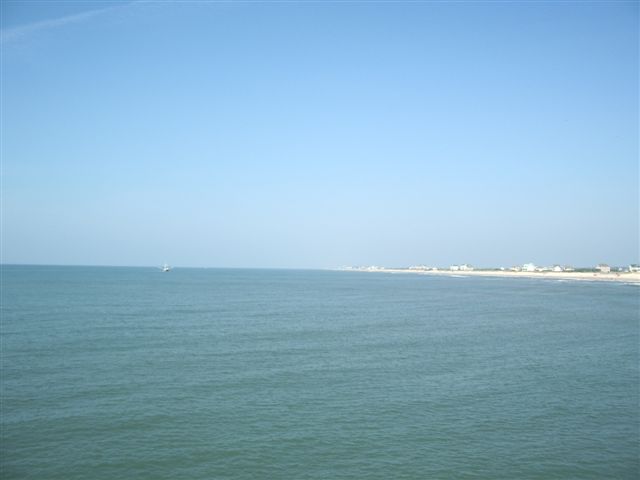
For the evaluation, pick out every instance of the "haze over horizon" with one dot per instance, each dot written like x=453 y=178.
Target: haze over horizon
x=311 y=135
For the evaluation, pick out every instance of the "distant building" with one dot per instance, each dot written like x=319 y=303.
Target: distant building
x=528 y=267
x=604 y=268
x=422 y=268
x=569 y=268
x=461 y=268
x=558 y=268
x=517 y=268
x=634 y=268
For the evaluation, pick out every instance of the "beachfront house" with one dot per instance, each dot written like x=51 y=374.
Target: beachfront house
x=634 y=268
x=466 y=268
x=454 y=268
x=528 y=267
x=604 y=268
x=557 y=268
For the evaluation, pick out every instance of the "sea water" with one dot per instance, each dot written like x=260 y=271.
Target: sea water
x=130 y=373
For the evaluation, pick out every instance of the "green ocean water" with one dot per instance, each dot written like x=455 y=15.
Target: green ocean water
x=129 y=373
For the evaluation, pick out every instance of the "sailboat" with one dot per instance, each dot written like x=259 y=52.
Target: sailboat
x=165 y=268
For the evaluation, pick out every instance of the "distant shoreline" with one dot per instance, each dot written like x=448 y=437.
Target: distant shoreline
x=628 y=277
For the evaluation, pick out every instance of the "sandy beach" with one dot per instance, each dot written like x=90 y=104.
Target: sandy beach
x=626 y=277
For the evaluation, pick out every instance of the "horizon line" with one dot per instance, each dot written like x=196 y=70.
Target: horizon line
x=341 y=267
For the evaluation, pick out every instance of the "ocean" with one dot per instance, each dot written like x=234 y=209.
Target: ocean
x=130 y=373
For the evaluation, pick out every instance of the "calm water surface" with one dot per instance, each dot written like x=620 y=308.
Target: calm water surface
x=130 y=373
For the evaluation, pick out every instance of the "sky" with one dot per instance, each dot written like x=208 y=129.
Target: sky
x=319 y=134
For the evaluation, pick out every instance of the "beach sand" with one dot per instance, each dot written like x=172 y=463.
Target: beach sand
x=586 y=276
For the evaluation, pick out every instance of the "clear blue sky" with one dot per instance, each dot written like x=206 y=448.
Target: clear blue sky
x=312 y=134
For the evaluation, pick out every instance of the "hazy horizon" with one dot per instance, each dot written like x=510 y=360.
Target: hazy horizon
x=311 y=135
x=329 y=268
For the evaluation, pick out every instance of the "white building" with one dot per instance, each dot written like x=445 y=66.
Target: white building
x=634 y=268
x=528 y=267
x=604 y=268
x=466 y=268
x=454 y=268
x=558 y=268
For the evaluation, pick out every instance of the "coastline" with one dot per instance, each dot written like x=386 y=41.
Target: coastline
x=625 y=277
